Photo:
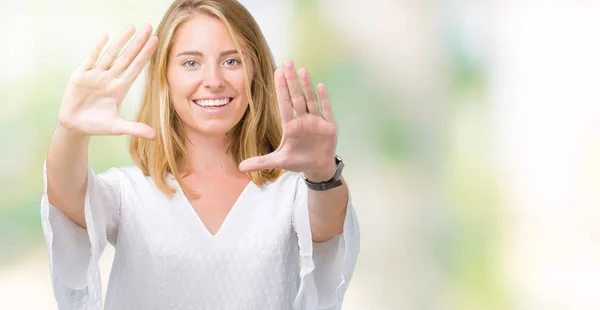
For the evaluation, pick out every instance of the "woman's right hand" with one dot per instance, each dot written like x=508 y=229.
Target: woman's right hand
x=96 y=89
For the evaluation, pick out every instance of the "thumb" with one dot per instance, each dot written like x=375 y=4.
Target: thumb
x=136 y=129
x=257 y=163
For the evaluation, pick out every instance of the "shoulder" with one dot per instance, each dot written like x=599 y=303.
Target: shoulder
x=289 y=181
x=127 y=174
x=285 y=179
x=132 y=181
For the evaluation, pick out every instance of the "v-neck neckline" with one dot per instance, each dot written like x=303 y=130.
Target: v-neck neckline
x=188 y=206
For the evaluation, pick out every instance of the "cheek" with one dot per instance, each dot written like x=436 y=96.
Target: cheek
x=179 y=83
x=179 y=92
x=237 y=80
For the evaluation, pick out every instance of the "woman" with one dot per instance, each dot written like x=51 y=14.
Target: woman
x=236 y=200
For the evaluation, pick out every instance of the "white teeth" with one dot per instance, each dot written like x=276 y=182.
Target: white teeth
x=212 y=103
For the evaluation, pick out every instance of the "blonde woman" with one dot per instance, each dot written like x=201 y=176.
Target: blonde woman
x=235 y=200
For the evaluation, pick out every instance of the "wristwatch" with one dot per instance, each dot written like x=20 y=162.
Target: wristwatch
x=334 y=182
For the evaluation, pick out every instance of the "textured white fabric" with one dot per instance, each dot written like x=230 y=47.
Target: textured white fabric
x=262 y=257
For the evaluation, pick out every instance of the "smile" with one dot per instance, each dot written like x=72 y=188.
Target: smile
x=213 y=102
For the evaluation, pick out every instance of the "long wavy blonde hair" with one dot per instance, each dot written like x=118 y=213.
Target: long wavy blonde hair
x=258 y=132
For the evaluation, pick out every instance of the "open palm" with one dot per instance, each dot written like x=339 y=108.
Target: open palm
x=96 y=89
x=309 y=139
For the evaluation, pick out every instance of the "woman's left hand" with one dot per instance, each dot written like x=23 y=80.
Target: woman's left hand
x=309 y=139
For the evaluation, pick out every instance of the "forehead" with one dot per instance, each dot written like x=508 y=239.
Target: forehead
x=204 y=33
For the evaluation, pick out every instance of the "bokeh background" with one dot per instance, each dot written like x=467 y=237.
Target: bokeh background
x=470 y=128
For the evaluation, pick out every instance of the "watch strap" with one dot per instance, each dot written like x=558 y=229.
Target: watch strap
x=334 y=182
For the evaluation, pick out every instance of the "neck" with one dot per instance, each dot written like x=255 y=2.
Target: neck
x=208 y=154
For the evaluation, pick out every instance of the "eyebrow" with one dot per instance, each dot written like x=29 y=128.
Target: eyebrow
x=199 y=54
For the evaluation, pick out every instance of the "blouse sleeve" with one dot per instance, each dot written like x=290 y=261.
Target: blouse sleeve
x=74 y=252
x=326 y=268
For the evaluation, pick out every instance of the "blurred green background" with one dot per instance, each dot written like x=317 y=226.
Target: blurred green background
x=469 y=131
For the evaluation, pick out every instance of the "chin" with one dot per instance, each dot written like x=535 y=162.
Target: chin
x=214 y=128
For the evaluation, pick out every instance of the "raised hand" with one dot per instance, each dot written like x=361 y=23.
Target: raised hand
x=96 y=89
x=309 y=138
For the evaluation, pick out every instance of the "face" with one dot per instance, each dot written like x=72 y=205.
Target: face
x=206 y=77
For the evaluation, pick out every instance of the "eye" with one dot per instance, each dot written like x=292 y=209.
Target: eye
x=231 y=62
x=190 y=63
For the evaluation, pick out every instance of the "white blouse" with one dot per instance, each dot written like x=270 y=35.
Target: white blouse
x=262 y=257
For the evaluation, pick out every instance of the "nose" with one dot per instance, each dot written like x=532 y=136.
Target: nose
x=212 y=77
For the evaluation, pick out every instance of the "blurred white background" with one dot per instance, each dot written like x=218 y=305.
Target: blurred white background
x=471 y=132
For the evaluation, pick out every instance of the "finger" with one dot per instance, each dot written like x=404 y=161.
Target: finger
x=298 y=100
x=325 y=102
x=283 y=97
x=136 y=129
x=91 y=59
x=309 y=93
x=137 y=65
x=258 y=163
x=113 y=51
x=132 y=50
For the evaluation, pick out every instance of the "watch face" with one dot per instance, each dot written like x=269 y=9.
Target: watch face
x=338 y=159
x=340 y=167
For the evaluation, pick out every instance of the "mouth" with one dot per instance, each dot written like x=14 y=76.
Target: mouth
x=212 y=103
